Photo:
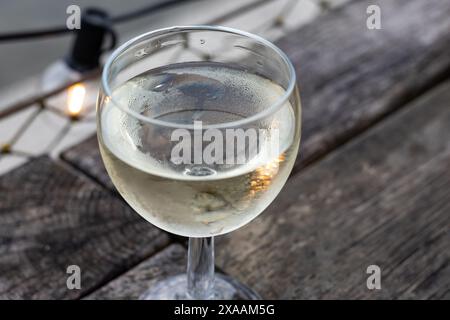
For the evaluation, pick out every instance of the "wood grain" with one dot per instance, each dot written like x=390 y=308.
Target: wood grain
x=349 y=77
x=86 y=157
x=169 y=262
x=381 y=199
x=50 y=218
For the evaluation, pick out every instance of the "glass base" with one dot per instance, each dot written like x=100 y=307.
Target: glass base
x=175 y=288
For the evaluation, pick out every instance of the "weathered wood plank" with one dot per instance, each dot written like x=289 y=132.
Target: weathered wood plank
x=86 y=157
x=364 y=204
x=171 y=261
x=350 y=76
x=51 y=218
x=382 y=199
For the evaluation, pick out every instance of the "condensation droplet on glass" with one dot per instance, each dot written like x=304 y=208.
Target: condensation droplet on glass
x=199 y=171
x=140 y=53
x=164 y=83
x=164 y=86
x=159 y=86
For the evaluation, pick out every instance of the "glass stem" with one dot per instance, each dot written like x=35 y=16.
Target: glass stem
x=200 y=268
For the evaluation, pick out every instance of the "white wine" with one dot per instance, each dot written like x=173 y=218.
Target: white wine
x=188 y=199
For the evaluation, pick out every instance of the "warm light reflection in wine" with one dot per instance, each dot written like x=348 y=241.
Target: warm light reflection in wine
x=263 y=176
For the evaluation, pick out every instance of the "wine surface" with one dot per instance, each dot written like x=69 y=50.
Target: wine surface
x=190 y=199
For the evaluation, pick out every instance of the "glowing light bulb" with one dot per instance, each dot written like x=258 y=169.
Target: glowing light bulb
x=75 y=98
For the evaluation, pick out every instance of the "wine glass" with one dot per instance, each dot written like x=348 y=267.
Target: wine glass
x=199 y=128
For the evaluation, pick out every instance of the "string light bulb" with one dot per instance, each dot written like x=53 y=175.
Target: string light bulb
x=75 y=98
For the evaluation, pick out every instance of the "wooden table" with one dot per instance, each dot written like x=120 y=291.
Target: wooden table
x=370 y=187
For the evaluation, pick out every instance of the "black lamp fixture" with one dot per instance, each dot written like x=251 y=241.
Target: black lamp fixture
x=89 y=41
x=85 y=53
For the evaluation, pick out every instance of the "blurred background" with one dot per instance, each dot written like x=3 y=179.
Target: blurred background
x=33 y=64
